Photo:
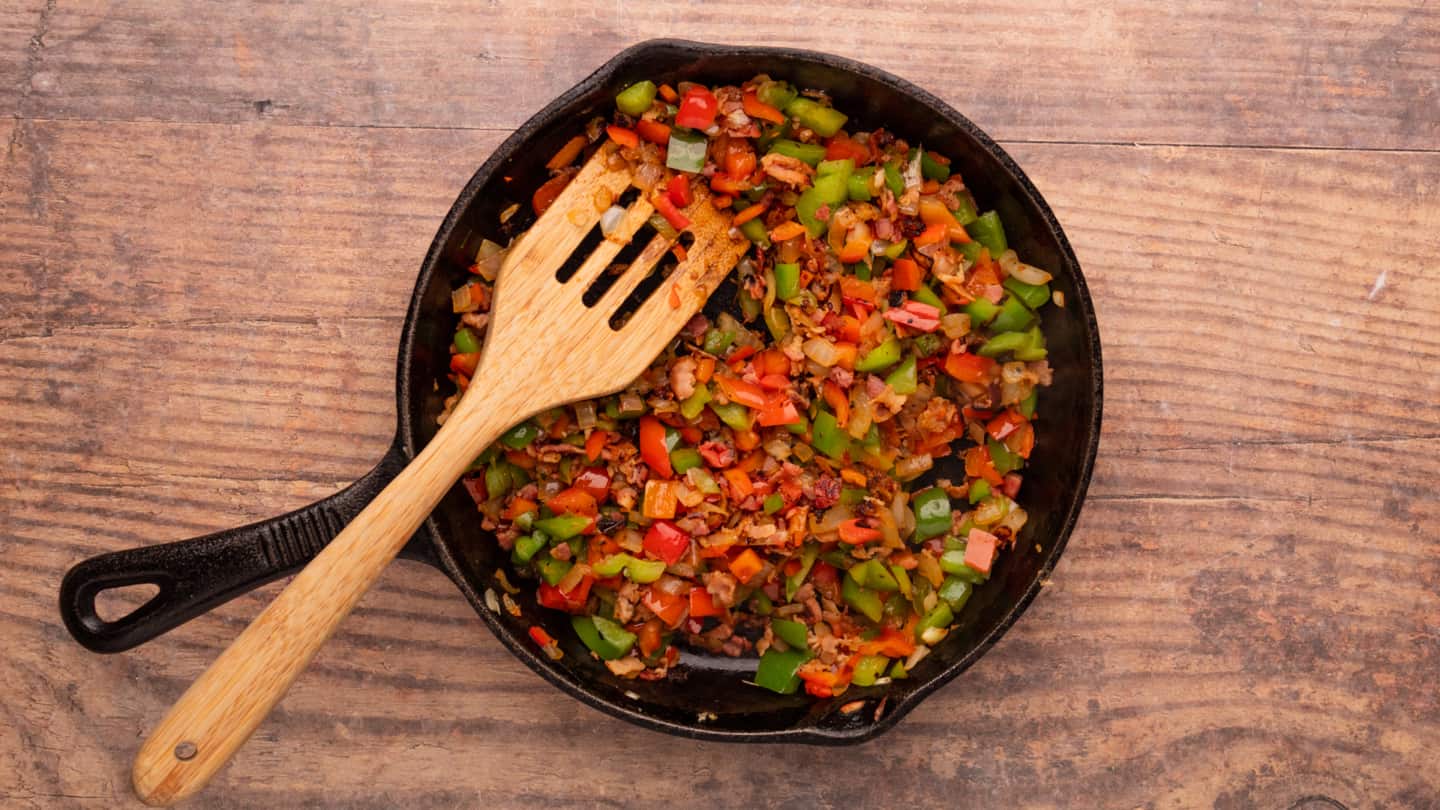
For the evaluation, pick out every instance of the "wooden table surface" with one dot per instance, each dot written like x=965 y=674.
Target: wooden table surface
x=210 y=220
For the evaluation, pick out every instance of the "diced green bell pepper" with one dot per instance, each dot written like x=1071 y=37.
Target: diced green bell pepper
x=925 y=295
x=754 y=230
x=988 y=231
x=604 y=637
x=971 y=251
x=773 y=503
x=955 y=592
x=644 y=572
x=1004 y=342
x=466 y=342
x=552 y=570
x=874 y=575
x=777 y=321
x=1034 y=295
x=827 y=437
x=932 y=169
x=761 y=604
x=777 y=94
x=776 y=671
x=787 y=280
x=686 y=151
x=636 y=99
x=932 y=628
x=852 y=495
x=809 y=153
x=864 y=600
x=979 y=490
x=896 y=249
x=795 y=580
x=926 y=345
x=844 y=166
x=899 y=672
x=859 y=185
x=828 y=190
x=1004 y=459
x=904 y=379
x=965 y=214
x=1028 y=404
x=953 y=562
x=526 y=547
x=1034 y=348
x=894 y=179
x=563 y=527
x=981 y=311
x=883 y=356
x=684 y=458
x=717 y=341
x=1014 y=316
x=932 y=513
x=611 y=566
x=791 y=632
x=691 y=407
x=868 y=669
x=520 y=436
x=811 y=114
x=733 y=414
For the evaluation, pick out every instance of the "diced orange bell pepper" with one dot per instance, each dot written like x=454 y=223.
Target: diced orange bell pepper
x=746 y=566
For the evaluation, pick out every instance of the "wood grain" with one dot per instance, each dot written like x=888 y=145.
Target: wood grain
x=198 y=330
x=1217 y=71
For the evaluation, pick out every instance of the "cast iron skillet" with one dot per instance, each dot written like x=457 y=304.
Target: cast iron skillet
x=705 y=697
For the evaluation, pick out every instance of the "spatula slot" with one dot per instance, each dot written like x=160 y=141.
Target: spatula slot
x=618 y=266
x=592 y=240
x=657 y=276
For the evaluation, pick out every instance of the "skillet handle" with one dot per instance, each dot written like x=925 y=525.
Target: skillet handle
x=201 y=573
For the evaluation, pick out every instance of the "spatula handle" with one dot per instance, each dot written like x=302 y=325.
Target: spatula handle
x=224 y=706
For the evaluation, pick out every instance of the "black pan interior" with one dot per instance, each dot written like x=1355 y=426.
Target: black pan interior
x=708 y=696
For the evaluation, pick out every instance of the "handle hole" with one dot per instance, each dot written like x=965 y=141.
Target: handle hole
x=114 y=604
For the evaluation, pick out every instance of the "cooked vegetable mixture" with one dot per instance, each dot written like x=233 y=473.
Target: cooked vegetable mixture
x=764 y=488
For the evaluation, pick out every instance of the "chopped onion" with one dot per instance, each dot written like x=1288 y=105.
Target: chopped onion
x=777 y=447
x=821 y=351
x=1059 y=298
x=671 y=586
x=889 y=529
x=610 y=220
x=904 y=518
x=1012 y=372
x=1014 y=520
x=831 y=520
x=916 y=657
x=585 y=414
x=955 y=325
x=1011 y=264
x=462 y=301
x=912 y=466
x=572 y=577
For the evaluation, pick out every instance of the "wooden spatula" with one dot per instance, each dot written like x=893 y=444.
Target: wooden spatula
x=545 y=348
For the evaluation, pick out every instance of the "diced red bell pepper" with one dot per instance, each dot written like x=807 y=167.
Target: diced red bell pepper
x=666 y=541
x=697 y=109
x=841 y=147
x=572 y=601
x=778 y=410
x=595 y=443
x=702 y=604
x=1005 y=424
x=746 y=393
x=652 y=447
x=476 y=487
x=718 y=455
x=891 y=643
x=673 y=215
x=858 y=533
x=594 y=480
x=464 y=363
x=771 y=361
x=545 y=195
x=678 y=190
x=572 y=501
x=971 y=368
x=669 y=608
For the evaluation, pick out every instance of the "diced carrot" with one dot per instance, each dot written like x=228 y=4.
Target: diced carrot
x=668 y=93
x=567 y=153
x=786 y=230
x=854 y=477
x=748 y=214
x=653 y=131
x=739 y=483
x=838 y=401
x=933 y=212
x=846 y=354
x=625 y=137
x=931 y=235
x=746 y=566
x=929 y=187
x=905 y=275
x=854 y=251
x=852 y=287
x=539 y=636
x=518 y=507
x=520 y=459
x=755 y=108
x=704 y=369
x=660 y=499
